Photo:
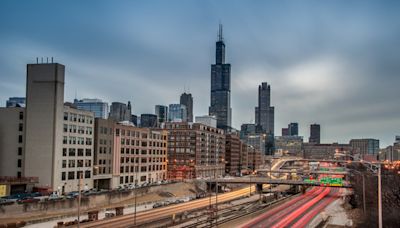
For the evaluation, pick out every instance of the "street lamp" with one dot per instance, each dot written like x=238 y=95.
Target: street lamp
x=377 y=170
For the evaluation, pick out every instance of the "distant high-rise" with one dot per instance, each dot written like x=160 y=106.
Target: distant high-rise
x=15 y=102
x=177 y=113
x=97 y=106
x=221 y=86
x=162 y=113
x=293 y=129
x=265 y=112
x=187 y=100
x=120 y=111
x=285 y=131
x=315 y=134
x=148 y=120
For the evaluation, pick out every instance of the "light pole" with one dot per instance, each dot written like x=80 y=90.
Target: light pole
x=378 y=171
x=79 y=197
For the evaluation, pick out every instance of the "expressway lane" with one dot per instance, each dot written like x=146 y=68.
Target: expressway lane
x=165 y=212
x=297 y=212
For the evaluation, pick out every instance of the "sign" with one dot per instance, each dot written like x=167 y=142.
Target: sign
x=3 y=190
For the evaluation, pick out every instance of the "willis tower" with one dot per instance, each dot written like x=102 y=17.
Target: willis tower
x=221 y=86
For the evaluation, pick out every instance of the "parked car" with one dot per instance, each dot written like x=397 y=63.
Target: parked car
x=54 y=196
x=27 y=200
x=6 y=201
x=157 y=205
x=72 y=195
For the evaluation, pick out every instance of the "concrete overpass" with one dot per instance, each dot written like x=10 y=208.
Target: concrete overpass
x=265 y=180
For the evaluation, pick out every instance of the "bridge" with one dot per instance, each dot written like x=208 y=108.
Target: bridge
x=265 y=180
x=303 y=172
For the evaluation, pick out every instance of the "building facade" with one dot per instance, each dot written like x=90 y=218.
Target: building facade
x=162 y=113
x=315 y=134
x=12 y=139
x=293 y=129
x=207 y=120
x=325 y=151
x=177 y=113
x=220 y=106
x=264 y=112
x=232 y=154
x=97 y=106
x=187 y=100
x=195 y=150
x=77 y=150
x=289 y=145
x=148 y=120
x=44 y=123
x=16 y=102
x=120 y=111
x=366 y=146
x=125 y=154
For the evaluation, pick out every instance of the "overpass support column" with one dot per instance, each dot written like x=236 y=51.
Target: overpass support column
x=259 y=188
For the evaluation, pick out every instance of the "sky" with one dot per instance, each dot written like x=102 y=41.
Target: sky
x=336 y=63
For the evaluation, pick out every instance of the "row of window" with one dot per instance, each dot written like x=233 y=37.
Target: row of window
x=73 y=152
x=142 y=143
x=150 y=168
x=121 y=179
x=142 y=160
x=136 y=134
x=77 y=140
x=76 y=163
x=142 y=152
x=78 y=118
x=78 y=129
x=71 y=175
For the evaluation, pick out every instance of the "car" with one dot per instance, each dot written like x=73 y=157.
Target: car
x=72 y=195
x=27 y=200
x=54 y=196
x=157 y=205
x=179 y=201
x=6 y=201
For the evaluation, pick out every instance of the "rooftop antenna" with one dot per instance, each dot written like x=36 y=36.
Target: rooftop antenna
x=51 y=59
x=47 y=60
x=220 y=37
x=76 y=94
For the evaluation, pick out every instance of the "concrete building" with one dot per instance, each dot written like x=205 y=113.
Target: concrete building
x=264 y=112
x=187 y=100
x=244 y=161
x=325 y=151
x=207 y=120
x=126 y=154
x=162 y=113
x=195 y=150
x=77 y=150
x=315 y=134
x=220 y=105
x=120 y=111
x=148 y=120
x=366 y=146
x=285 y=131
x=177 y=113
x=232 y=154
x=289 y=145
x=16 y=102
x=12 y=139
x=44 y=123
x=97 y=106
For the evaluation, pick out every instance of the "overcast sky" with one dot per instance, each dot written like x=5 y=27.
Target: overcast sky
x=336 y=63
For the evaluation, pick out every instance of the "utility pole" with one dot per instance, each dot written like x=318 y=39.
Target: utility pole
x=79 y=198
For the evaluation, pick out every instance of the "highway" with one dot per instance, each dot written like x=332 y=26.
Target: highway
x=297 y=212
x=164 y=212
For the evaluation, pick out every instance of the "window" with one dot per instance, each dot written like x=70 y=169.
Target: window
x=88 y=163
x=80 y=152
x=71 y=164
x=64 y=163
x=19 y=150
x=63 y=176
x=71 y=152
x=19 y=163
x=65 y=115
x=71 y=175
x=87 y=174
x=143 y=178
x=80 y=163
x=126 y=179
x=19 y=174
x=65 y=140
x=88 y=152
x=121 y=180
x=20 y=127
x=79 y=174
x=20 y=138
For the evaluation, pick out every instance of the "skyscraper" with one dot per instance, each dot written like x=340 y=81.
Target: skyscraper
x=293 y=129
x=16 y=102
x=177 y=113
x=97 y=106
x=162 y=113
x=120 y=111
x=187 y=100
x=221 y=86
x=315 y=134
x=264 y=112
x=148 y=120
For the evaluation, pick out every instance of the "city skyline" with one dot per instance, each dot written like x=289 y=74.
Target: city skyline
x=307 y=66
